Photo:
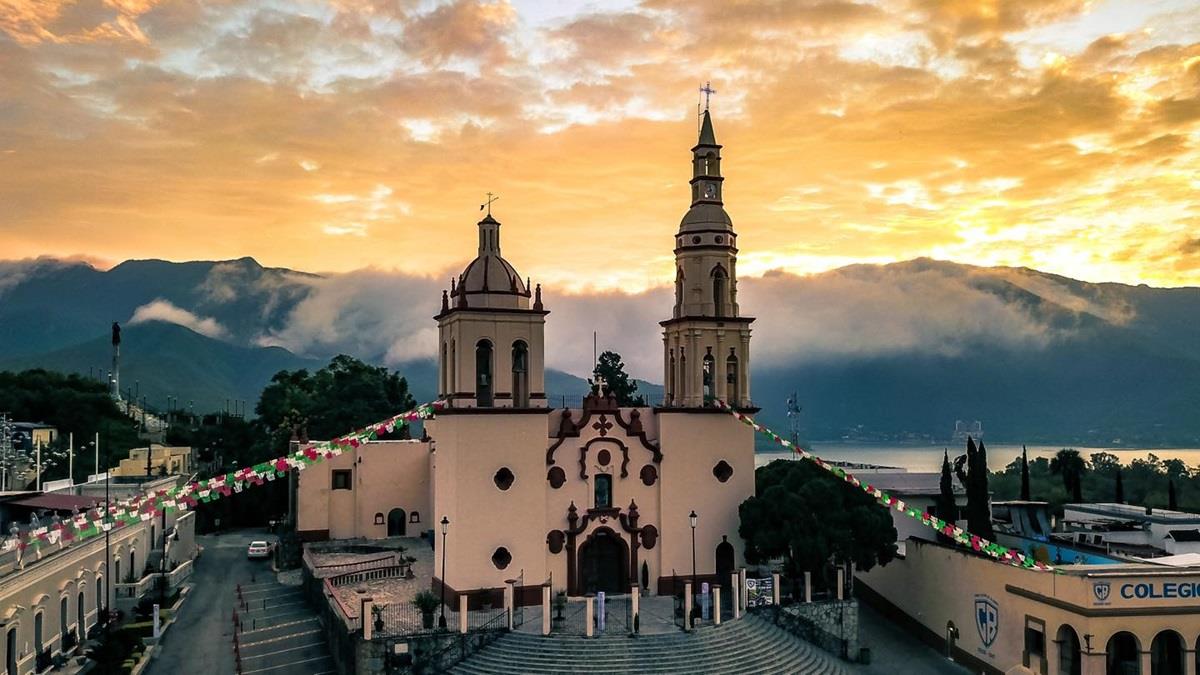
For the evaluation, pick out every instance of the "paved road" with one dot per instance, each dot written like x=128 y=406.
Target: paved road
x=201 y=640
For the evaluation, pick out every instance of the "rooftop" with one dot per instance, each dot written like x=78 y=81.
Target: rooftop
x=56 y=502
x=1132 y=512
x=911 y=482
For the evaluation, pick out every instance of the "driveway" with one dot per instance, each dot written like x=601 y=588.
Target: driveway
x=201 y=639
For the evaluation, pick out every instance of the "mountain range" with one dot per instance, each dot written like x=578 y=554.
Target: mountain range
x=874 y=352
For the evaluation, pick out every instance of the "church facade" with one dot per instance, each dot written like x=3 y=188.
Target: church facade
x=595 y=498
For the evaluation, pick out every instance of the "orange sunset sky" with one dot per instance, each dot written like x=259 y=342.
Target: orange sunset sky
x=341 y=134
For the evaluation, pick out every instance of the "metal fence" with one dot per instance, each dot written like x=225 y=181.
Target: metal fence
x=458 y=647
x=403 y=619
x=571 y=620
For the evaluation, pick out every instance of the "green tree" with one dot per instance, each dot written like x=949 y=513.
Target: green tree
x=1068 y=464
x=809 y=518
x=340 y=397
x=617 y=380
x=1172 y=500
x=1120 y=489
x=946 y=505
x=73 y=404
x=979 y=512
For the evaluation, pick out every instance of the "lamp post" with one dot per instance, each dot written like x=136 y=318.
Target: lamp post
x=445 y=528
x=692 y=519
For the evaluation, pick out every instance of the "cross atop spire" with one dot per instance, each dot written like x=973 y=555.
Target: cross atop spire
x=707 y=90
x=488 y=204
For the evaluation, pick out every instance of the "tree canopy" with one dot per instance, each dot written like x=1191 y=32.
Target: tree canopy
x=73 y=404
x=344 y=395
x=616 y=380
x=810 y=518
x=1145 y=481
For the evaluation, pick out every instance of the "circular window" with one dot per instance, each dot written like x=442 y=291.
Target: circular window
x=648 y=475
x=501 y=558
x=649 y=536
x=723 y=471
x=603 y=457
x=504 y=478
x=556 y=476
x=555 y=541
x=696 y=240
x=720 y=239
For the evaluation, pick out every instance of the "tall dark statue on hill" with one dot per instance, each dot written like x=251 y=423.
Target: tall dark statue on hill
x=1024 y=474
x=116 y=334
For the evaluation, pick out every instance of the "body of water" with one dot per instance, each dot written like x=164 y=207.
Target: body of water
x=929 y=457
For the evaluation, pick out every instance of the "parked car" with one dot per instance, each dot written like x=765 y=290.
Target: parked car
x=258 y=549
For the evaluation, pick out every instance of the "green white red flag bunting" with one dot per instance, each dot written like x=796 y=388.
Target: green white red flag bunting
x=960 y=536
x=183 y=497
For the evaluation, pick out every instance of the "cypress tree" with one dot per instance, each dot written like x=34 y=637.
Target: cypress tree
x=982 y=511
x=1024 y=474
x=1120 y=488
x=1171 y=499
x=947 y=507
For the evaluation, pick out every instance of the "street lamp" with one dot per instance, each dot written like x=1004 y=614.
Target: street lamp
x=695 y=610
x=445 y=528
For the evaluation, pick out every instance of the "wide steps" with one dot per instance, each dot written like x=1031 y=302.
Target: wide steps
x=749 y=645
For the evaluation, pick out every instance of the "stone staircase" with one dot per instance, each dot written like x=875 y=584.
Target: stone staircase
x=748 y=645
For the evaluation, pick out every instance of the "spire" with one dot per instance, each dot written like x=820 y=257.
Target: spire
x=707 y=137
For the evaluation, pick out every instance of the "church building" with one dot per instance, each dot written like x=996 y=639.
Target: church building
x=596 y=498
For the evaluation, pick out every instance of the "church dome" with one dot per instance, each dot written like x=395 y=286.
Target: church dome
x=705 y=216
x=489 y=277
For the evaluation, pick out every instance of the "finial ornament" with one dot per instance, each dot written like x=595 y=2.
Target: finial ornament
x=707 y=90
x=488 y=204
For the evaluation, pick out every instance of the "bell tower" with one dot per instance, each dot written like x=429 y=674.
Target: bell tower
x=491 y=333
x=706 y=342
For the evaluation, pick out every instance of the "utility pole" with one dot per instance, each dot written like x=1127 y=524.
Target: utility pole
x=71 y=459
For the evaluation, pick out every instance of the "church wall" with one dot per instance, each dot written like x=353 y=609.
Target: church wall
x=626 y=489
x=693 y=443
x=385 y=475
x=471 y=449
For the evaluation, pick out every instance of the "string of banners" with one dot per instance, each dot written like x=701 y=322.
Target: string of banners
x=183 y=497
x=960 y=536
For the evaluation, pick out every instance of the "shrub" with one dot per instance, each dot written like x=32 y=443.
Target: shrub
x=426 y=602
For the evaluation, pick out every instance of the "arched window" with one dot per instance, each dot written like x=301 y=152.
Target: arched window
x=709 y=366
x=80 y=618
x=711 y=168
x=671 y=379
x=1068 y=651
x=483 y=374
x=603 y=490
x=100 y=586
x=1166 y=653
x=1123 y=655
x=683 y=371
x=720 y=286
x=520 y=374
x=62 y=621
x=732 y=389
x=37 y=632
x=442 y=372
x=132 y=564
x=679 y=299
x=11 y=651
x=451 y=386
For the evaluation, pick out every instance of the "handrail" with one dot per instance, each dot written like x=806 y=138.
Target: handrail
x=326 y=571
x=351 y=620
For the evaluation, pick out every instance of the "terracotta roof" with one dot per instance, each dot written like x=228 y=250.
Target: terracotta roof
x=57 y=502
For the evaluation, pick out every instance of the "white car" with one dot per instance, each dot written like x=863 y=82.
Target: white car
x=258 y=549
